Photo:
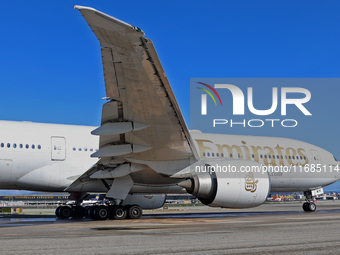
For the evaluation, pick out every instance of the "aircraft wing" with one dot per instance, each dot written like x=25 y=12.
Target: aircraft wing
x=141 y=120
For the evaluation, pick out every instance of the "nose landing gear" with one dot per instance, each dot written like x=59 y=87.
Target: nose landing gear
x=309 y=206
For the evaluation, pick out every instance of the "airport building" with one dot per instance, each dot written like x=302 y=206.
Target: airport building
x=39 y=200
x=55 y=200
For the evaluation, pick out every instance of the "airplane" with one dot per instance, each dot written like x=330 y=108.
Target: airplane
x=143 y=149
x=91 y=201
x=275 y=198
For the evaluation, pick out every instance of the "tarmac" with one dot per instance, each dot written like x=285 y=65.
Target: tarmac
x=268 y=229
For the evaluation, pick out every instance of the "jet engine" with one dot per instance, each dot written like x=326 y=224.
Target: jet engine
x=229 y=183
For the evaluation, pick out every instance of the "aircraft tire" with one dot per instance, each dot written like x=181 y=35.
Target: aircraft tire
x=118 y=212
x=87 y=211
x=78 y=212
x=65 y=212
x=305 y=207
x=101 y=212
x=134 y=212
x=311 y=207
x=57 y=211
x=90 y=212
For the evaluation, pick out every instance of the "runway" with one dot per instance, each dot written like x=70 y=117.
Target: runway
x=268 y=229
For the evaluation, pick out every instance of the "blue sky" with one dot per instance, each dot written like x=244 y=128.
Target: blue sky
x=51 y=65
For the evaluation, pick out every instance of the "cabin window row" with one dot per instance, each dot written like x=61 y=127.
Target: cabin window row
x=21 y=146
x=85 y=149
x=253 y=156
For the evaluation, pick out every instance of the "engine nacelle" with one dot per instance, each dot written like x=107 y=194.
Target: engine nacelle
x=229 y=183
x=146 y=201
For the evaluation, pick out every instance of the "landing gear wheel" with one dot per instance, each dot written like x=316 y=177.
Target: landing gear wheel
x=87 y=208
x=65 y=212
x=311 y=207
x=134 y=212
x=57 y=211
x=78 y=212
x=118 y=212
x=90 y=212
x=305 y=207
x=101 y=212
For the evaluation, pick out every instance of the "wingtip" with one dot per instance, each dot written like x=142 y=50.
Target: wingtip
x=106 y=16
x=80 y=7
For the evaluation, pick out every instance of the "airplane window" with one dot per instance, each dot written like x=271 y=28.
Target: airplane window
x=213 y=154
x=14 y=145
x=79 y=149
x=74 y=148
x=265 y=156
x=261 y=156
x=252 y=156
x=239 y=156
x=222 y=155
x=2 y=145
x=39 y=146
x=314 y=158
x=285 y=156
x=217 y=154
x=21 y=146
x=27 y=146
x=304 y=157
x=33 y=146
x=277 y=156
x=300 y=157
x=269 y=156
x=202 y=153
x=293 y=157
x=208 y=154
x=281 y=156
x=85 y=149
x=96 y=149
x=231 y=155
x=289 y=157
x=8 y=145
x=92 y=150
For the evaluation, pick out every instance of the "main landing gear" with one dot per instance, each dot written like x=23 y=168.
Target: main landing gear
x=110 y=209
x=100 y=212
x=308 y=206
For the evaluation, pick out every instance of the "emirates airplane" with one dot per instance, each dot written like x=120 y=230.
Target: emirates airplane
x=144 y=150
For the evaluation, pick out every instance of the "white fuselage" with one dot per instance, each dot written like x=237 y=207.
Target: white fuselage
x=291 y=164
x=44 y=157
x=49 y=157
